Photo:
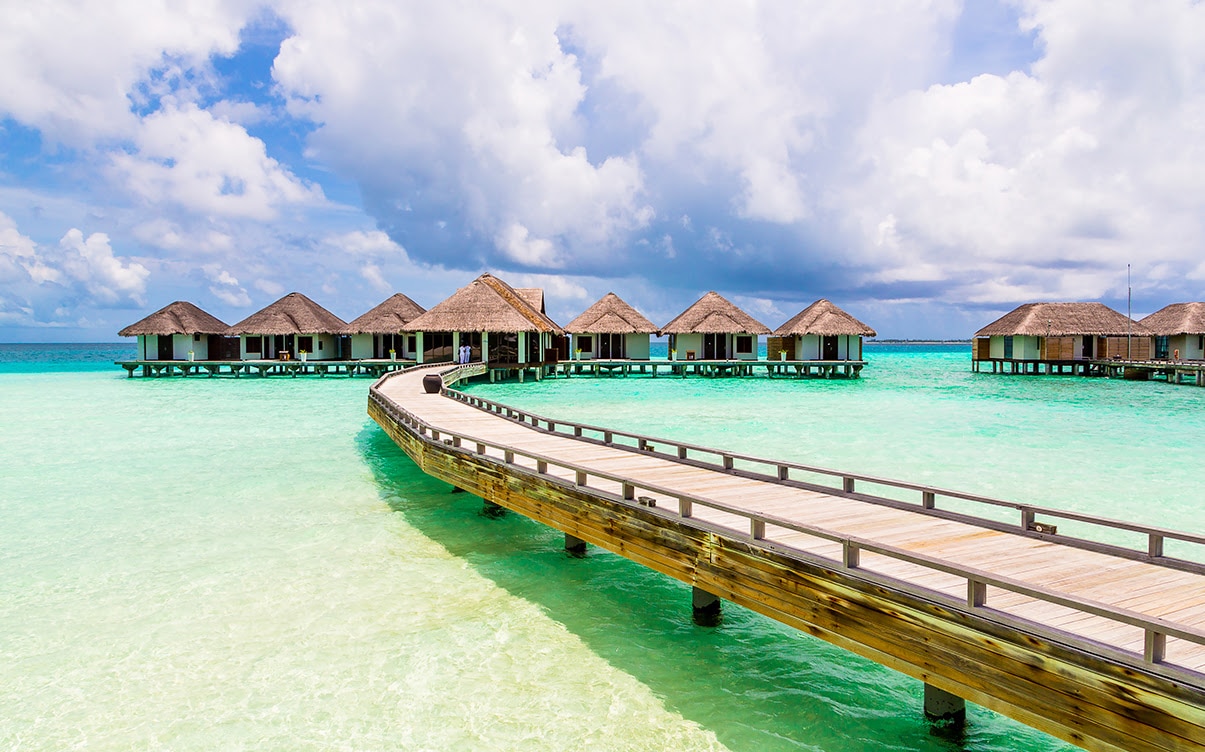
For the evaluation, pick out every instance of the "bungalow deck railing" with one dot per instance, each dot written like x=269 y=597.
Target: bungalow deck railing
x=925 y=500
x=1155 y=630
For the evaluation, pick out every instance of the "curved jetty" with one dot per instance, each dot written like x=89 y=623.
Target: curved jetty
x=1096 y=643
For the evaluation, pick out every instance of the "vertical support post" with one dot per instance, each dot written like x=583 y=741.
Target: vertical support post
x=847 y=484
x=941 y=705
x=1154 y=647
x=928 y=500
x=574 y=545
x=705 y=607
x=976 y=594
x=1154 y=545
x=492 y=510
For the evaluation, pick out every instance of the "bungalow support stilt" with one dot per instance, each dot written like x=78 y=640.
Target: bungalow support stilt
x=941 y=705
x=705 y=607
x=575 y=545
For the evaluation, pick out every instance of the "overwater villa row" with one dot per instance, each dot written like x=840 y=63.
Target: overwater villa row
x=1091 y=339
x=506 y=327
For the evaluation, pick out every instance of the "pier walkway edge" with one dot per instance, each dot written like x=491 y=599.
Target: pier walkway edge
x=1099 y=644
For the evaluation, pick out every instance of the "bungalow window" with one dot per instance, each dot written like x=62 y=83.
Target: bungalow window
x=305 y=343
x=255 y=345
x=1161 y=345
x=1008 y=347
x=744 y=345
x=411 y=343
x=196 y=338
x=585 y=343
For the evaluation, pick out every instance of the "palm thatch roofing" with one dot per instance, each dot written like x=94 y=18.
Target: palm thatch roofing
x=487 y=304
x=1063 y=320
x=180 y=317
x=533 y=296
x=1177 y=318
x=825 y=319
x=611 y=315
x=292 y=314
x=714 y=314
x=390 y=317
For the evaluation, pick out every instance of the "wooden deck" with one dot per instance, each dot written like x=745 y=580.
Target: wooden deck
x=166 y=368
x=1099 y=644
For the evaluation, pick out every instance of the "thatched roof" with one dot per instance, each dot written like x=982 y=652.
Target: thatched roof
x=388 y=318
x=487 y=304
x=611 y=315
x=825 y=319
x=180 y=317
x=1063 y=320
x=292 y=314
x=713 y=314
x=533 y=296
x=1177 y=318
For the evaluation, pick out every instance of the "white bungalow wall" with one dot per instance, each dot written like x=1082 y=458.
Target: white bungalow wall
x=361 y=346
x=637 y=346
x=1189 y=346
x=1027 y=348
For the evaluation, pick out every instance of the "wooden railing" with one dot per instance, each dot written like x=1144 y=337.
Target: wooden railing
x=926 y=500
x=1155 y=630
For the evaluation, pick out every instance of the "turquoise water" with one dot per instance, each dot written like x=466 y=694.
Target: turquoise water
x=251 y=564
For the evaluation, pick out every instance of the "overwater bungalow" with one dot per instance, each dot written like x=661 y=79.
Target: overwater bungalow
x=293 y=327
x=1179 y=331
x=1038 y=337
x=180 y=331
x=378 y=333
x=822 y=331
x=508 y=325
x=610 y=330
x=713 y=329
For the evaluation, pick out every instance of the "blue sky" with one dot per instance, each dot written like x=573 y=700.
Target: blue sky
x=926 y=164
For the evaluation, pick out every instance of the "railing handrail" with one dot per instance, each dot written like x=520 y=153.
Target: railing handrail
x=1156 y=629
x=1025 y=509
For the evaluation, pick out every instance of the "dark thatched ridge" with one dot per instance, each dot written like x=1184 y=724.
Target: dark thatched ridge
x=292 y=314
x=390 y=317
x=1177 y=318
x=180 y=317
x=1063 y=320
x=487 y=304
x=714 y=314
x=824 y=319
x=611 y=315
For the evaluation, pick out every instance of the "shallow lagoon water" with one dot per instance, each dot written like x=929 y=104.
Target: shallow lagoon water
x=251 y=564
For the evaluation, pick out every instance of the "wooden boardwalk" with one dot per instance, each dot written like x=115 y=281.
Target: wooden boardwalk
x=1098 y=644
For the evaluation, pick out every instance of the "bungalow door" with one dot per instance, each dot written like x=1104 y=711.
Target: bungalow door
x=830 y=349
x=714 y=347
x=166 y=349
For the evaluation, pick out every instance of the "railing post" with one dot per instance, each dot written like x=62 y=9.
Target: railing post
x=784 y=472
x=508 y=457
x=577 y=431
x=1026 y=518
x=581 y=477
x=629 y=491
x=685 y=507
x=681 y=452
x=727 y=462
x=607 y=438
x=456 y=441
x=541 y=467
x=480 y=448
x=1154 y=545
x=642 y=444
x=847 y=484
x=851 y=555
x=757 y=529
x=976 y=593
x=1154 y=647
x=928 y=500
